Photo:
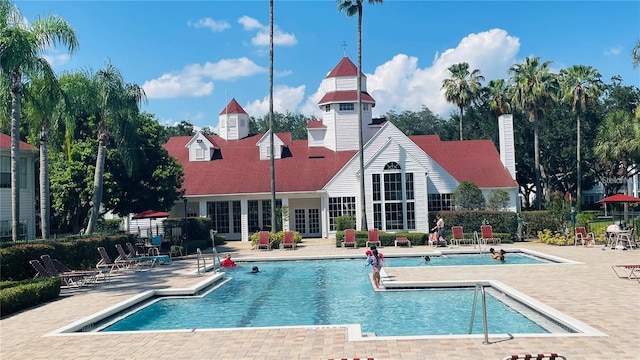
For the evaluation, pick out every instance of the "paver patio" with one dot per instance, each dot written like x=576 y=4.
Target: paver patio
x=589 y=292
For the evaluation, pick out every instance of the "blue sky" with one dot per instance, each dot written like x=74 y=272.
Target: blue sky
x=192 y=57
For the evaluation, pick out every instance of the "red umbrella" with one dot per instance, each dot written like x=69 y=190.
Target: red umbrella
x=619 y=198
x=150 y=214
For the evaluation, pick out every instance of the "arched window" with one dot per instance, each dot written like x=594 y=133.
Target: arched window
x=392 y=166
x=393 y=199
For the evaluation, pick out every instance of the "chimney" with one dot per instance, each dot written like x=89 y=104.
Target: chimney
x=507 y=146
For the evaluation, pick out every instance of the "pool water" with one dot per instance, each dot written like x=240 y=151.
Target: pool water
x=324 y=292
x=466 y=259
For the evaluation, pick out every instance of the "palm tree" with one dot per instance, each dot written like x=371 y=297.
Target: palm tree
x=533 y=87
x=118 y=104
x=22 y=45
x=496 y=94
x=43 y=97
x=635 y=54
x=580 y=83
x=271 y=135
x=463 y=87
x=354 y=7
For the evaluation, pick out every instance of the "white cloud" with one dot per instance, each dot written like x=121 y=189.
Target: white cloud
x=197 y=80
x=262 y=37
x=249 y=23
x=613 y=51
x=400 y=84
x=214 y=25
x=56 y=58
x=284 y=98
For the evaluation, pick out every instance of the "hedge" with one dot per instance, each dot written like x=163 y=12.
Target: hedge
x=23 y=295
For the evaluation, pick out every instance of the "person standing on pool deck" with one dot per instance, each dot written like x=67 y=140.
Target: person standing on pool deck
x=376 y=262
x=439 y=228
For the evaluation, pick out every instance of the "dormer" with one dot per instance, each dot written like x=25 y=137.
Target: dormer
x=233 y=122
x=200 y=148
x=264 y=144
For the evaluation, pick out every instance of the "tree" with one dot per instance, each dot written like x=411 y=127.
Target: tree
x=410 y=123
x=498 y=200
x=118 y=104
x=22 y=45
x=580 y=83
x=496 y=96
x=183 y=128
x=635 y=55
x=468 y=196
x=533 y=87
x=463 y=87
x=296 y=124
x=354 y=7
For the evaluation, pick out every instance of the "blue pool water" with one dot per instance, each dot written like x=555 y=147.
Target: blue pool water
x=322 y=292
x=466 y=259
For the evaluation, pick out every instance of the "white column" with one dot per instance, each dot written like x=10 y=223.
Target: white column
x=244 y=219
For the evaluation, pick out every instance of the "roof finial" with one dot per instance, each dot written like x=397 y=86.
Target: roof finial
x=344 y=47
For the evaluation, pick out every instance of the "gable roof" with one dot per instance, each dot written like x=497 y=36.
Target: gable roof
x=350 y=95
x=240 y=170
x=344 y=68
x=233 y=108
x=477 y=161
x=5 y=143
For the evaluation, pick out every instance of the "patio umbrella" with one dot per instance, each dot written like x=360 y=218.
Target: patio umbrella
x=150 y=214
x=618 y=199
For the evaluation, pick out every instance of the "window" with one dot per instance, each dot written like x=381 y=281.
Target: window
x=438 y=202
x=237 y=217
x=327 y=108
x=254 y=216
x=314 y=221
x=365 y=107
x=222 y=123
x=5 y=172
x=393 y=199
x=300 y=220
x=199 y=153
x=347 y=107
x=266 y=214
x=232 y=123
x=218 y=211
x=341 y=206
x=242 y=123
x=267 y=149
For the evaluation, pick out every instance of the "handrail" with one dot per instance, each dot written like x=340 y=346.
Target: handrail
x=480 y=288
x=204 y=262
x=214 y=256
x=477 y=241
x=552 y=356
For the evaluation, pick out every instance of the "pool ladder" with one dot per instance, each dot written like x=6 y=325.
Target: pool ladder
x=202 y=268
x=480 y=289
x=477 y=241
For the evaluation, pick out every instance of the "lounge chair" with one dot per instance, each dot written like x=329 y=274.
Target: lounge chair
x=41 y=272
x=373 y=238
x=458 y=236
x=349 y=238
x=264 y=242
x=124 y=260
x=402 y=241
x=149 y=260
x=627 y=271
x=105 y=263
x=69 y=277
x=486 y=232
x=288 y=240
x=90 y=276
x=583 y=237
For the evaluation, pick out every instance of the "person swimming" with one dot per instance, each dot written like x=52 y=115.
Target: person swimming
x=427 y=258
x=255 y=270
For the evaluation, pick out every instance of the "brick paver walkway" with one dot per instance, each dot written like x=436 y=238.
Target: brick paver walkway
x=589 y=292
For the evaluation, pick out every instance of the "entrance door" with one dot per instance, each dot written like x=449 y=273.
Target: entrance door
x=307 y=222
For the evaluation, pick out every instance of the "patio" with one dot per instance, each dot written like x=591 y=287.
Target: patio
x=589 y=292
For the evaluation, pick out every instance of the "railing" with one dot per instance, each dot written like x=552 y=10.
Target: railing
x=480 y=288
x=552 y=356
x=204 y=262
x=202 y=268
x=478 y=241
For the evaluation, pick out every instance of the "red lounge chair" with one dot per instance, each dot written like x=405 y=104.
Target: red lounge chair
x=349 y=238
x=288 y=240
x=487 y=235
x=458 y=236
x=402 y=241
x=373 y=238
x=263 y=241
x=583 y=237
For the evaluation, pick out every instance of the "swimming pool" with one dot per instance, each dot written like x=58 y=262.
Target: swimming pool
x=330 y=292
x=462 y=259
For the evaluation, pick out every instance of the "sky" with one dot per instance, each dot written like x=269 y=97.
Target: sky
x=193 y=57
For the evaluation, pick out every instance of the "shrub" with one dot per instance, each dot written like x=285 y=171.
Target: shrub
x=28 y=294
x=345 y=222
x=498 y=200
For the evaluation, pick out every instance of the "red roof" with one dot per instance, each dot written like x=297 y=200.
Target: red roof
x=150 y=214
x=5 y=143
x=344 y=68
x=313 y=124
x=477 y=161
x=240 y=170
x=341 y=96
x=233 y=108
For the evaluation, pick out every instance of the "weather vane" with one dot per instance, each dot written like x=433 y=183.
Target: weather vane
x=344 y=47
